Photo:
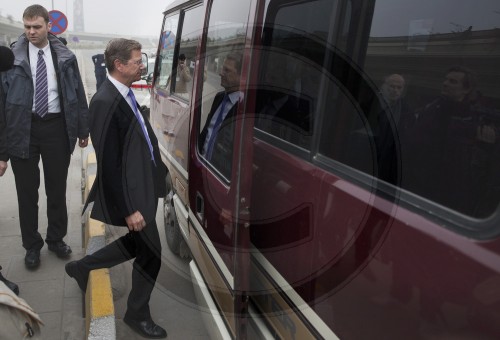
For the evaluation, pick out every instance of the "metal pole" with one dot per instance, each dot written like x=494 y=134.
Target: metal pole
x=52 y=4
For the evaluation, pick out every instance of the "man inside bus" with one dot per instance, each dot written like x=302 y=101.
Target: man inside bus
x=216 y=138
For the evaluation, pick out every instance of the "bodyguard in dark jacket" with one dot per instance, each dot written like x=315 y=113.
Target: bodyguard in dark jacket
x=45 y=112
x=130 y=178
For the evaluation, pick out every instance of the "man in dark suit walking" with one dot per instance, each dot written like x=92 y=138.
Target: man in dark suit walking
x=216 y=138
x=130 y=178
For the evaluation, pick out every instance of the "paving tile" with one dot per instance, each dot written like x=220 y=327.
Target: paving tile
x=51 y=268
x=71 y=288
x=43 y=296
x=73 y=323
x=51 y=329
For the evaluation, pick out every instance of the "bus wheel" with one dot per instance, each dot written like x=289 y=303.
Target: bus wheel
x=172 y=230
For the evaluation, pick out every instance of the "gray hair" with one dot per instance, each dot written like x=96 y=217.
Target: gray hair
x=119 y=49
x=237 y=57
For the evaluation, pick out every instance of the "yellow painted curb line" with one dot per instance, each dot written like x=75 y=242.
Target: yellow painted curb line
x=99 y=300
x=89 y=167
x=88 y=186
x=99 y=305
x=100 y=294
x=91 y=159
x=93 y=228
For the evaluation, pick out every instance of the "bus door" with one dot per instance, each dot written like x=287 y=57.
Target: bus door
x=217 y=202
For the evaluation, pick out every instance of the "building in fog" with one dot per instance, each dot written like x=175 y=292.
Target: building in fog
x=78 y=22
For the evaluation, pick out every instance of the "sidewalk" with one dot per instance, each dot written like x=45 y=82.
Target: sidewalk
x=52 y=294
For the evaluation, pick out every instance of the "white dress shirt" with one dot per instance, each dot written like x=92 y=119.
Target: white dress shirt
x=123 y=89
x=54 y=104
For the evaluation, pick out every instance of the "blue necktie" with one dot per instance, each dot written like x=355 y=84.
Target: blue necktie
x=143 y=126
x=42 y=89
x=215 y=130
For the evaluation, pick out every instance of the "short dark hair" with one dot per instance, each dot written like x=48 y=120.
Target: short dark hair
x=36 y=11
x=182 y=56
x=120 y=49
x=470 y=77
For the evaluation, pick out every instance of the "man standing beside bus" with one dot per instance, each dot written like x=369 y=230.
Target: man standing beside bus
x=45 y=113
x=130 y=179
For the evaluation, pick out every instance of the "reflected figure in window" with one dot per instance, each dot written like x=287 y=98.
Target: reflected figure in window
x=392 y=90
x=183 y=75
x=282 y=110
x=393 y=124
x=216 y=138
x=453 y=139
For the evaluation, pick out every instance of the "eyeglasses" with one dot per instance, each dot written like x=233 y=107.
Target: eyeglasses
x=136 y=62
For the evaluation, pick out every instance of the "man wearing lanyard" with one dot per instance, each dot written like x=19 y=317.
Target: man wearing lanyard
x=130 y=178
x=45 y=113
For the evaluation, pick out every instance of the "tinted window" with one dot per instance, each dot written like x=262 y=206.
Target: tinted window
x=288 y=81
x=223 y=57
x=166 y=55
x=184 y=67
x=425 y=88
x=406 y=92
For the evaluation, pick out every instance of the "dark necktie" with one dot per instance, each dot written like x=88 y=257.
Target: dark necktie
x=41 y=91
x=141 y=123
x=215 y=130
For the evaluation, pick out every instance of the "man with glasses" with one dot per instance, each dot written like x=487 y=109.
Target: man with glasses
x=130 y=178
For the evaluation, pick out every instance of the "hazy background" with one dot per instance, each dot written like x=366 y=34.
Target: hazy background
x=122 y=17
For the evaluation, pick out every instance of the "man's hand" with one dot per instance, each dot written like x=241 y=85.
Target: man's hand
x=135 y=222
x=83 y=142
x=3 y=167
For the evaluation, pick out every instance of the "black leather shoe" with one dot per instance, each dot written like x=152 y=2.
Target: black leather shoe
x=61 y=249
x=74 y=271
x=11 y=285
x=146 y=328
x=32 y=258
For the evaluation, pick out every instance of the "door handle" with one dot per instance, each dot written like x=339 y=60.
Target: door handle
x=200 y=207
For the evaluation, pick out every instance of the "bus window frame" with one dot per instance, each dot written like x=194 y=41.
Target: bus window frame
x=477 y=228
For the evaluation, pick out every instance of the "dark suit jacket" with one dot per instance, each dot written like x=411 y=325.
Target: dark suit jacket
x=222 y=155
x=127 y=180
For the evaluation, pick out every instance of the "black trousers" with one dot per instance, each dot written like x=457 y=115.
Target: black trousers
x=145 y=247
x=48 y=141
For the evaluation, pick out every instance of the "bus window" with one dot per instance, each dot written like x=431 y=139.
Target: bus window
x=434 y=119
x=221 y=93
x=184 y=72
x=288 y=78
x=281 y=108
x=167 y=45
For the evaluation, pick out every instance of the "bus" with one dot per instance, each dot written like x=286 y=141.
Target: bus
x=352 y=186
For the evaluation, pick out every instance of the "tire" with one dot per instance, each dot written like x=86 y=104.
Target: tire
x=172 y=229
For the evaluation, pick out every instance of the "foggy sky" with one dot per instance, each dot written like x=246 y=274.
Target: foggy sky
x=122 y=17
